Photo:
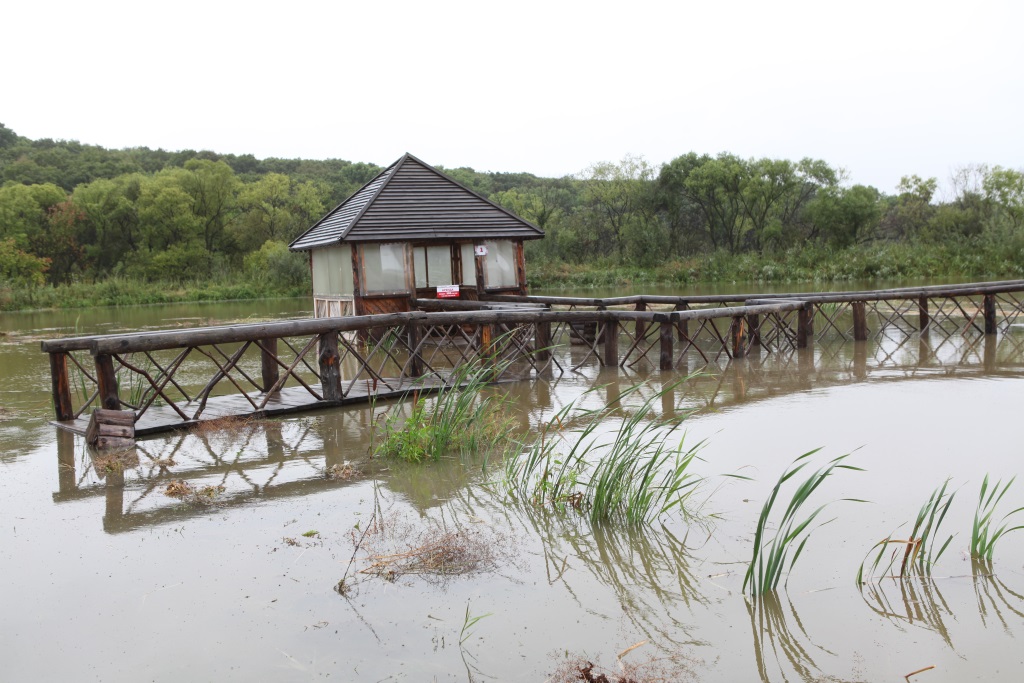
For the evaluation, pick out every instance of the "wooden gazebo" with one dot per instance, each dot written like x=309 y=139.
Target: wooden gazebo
x=413 y=232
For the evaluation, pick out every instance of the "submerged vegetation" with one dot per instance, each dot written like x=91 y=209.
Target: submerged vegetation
x=460 y=419
x=632 y=475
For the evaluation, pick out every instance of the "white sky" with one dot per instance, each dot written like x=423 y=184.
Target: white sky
x=882 y=89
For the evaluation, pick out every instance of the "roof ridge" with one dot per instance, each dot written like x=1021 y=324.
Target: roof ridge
x=345 y=201
x=471 y=191
x=393 y=168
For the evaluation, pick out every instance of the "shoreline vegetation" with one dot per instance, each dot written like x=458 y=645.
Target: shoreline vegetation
x=826 y=266
x=83 y=226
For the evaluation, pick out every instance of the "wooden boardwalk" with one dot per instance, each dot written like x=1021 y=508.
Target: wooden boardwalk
x=175 y=379
x=287 y=401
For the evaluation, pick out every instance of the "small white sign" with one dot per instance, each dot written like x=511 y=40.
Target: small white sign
x=448 y=292
x=480 y=250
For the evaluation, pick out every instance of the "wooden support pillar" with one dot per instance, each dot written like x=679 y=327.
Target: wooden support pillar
x=542 y=346
x=754 y=332
x=412 y=333
x=990 y=314
x=641 y=326
x=107 y=380
x=62 y=407
x=860 y=321
x=665 y=360
x=683 y=326
x=922 y=314
x=330 y=366
x=738 y=336
x=805 y=326
x=269 y=368
x=610 y=339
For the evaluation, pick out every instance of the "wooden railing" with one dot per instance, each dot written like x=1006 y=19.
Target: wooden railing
x=335 y=360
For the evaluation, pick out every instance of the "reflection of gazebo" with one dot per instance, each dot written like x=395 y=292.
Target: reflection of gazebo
x=413 y=232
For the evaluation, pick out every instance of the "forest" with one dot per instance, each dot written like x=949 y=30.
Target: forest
x=81 y=224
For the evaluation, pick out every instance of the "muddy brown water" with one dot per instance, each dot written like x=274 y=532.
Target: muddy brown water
x=106 y=578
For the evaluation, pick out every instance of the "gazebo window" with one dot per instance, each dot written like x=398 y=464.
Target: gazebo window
x=385 y=267
x=501 y=264
x=332 y=271
x=433 y=266
x=468 y=264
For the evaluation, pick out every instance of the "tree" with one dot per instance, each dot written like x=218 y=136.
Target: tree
x=1004 y=188
x=19 y=267
x=619 y=205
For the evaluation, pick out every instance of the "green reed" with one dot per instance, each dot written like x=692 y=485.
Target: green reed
x=632 y=475
x=921 y=549
x=985 y=532
x=769 y=558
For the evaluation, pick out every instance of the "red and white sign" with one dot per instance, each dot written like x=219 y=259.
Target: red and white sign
x=448 y=292
x=480 y=250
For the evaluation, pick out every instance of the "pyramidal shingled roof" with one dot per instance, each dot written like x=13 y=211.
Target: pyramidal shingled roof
x=410 y=201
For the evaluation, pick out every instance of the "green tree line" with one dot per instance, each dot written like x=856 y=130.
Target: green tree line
x=71 y=212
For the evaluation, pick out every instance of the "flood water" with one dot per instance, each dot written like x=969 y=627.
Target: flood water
x=107 y=578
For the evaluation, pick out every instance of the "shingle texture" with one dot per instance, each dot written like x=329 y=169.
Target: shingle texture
x=412 y=201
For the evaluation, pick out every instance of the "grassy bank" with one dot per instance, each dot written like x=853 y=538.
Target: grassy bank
x=120 y=291
x=813 y=264
x=890 y=261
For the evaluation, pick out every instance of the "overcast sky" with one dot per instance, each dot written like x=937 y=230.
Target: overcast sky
x=882 y=89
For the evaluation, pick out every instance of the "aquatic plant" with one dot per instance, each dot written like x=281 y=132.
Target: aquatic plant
x=769 y=558
x=919 y=548
x=985 y=533
x=634 y=477
x=460 y=418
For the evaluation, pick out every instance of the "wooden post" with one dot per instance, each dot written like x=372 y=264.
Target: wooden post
x=738 y=336
x=683 y=326
x=641 y=326
x=542 y=346
x=330 y=366
x=62 y=408
x=520 y=267
x=107 y=380
x=989 y=353
x=268 y=363
x=481 y=286
x=990 y=314
x=610 y=335
x=805 y=326
x=412 y=333
x=754 y=332
x=665 y=332
x=922 y=313
x=860 y=321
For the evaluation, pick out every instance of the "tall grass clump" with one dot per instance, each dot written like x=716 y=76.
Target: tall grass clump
x=769 y=558
x=985 y=532
x=460 y=419
x=921 y=549
x=634 y=474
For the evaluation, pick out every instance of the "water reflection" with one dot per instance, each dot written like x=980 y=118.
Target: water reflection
x=772 y=620
x=996 y=601
x=916 y=602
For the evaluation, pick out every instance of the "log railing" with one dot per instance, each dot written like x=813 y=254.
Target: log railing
x=337 y=359
x=334 y=360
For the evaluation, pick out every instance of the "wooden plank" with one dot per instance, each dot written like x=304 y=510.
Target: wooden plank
x=115 y=417
x=116 y=431
x=113 y=442
x=269 y=368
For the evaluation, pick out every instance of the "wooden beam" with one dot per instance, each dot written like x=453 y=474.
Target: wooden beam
x=805 y=326
x=412 y=333
x=922 y=314
x=610 y=339
x=738 y=336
